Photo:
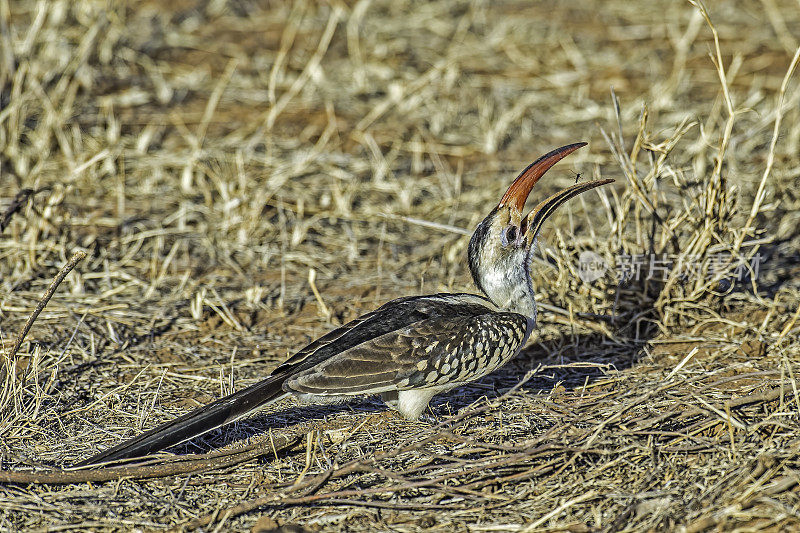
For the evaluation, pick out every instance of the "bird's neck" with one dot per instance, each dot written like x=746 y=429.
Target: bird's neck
x=510 y=291
x=507 y=283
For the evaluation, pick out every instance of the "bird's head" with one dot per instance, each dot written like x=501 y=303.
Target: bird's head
x=500 y=249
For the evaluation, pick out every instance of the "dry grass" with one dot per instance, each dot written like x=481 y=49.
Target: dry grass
x=244 y=175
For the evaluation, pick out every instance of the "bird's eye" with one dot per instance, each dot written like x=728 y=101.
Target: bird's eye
x=509 y=235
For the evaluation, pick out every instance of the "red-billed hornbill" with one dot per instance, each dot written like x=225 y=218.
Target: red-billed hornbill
x=413 y=348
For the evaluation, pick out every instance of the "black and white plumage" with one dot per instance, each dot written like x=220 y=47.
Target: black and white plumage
x=410 y=349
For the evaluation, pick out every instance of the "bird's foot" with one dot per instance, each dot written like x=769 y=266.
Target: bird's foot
x=430 y=418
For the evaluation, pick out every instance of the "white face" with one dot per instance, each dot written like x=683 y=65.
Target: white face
x=502 y=256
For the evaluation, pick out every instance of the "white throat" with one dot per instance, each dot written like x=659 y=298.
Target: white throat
x=508 y=284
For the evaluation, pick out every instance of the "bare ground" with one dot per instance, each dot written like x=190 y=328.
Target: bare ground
x=245 y=175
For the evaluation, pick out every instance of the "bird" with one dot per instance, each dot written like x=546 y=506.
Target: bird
x=411 y=348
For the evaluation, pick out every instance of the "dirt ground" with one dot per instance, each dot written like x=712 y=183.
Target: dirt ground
x=245 y=175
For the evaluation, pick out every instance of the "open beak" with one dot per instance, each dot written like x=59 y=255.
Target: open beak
x=533 y=221
x=517 y=194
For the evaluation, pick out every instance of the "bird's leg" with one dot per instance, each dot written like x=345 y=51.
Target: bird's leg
x=412 y=402
x=430 y=417
x=392 y=401
x=409 y=403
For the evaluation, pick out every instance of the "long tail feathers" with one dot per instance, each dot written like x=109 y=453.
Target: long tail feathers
x=195 y=423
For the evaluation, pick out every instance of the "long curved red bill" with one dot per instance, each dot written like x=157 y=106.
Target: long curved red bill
x=518 y=192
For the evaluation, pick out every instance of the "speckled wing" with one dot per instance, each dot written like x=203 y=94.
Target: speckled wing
x=447 y=349
x=389 y=318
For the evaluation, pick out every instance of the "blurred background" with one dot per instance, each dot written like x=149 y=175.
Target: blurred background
x=245 y=175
